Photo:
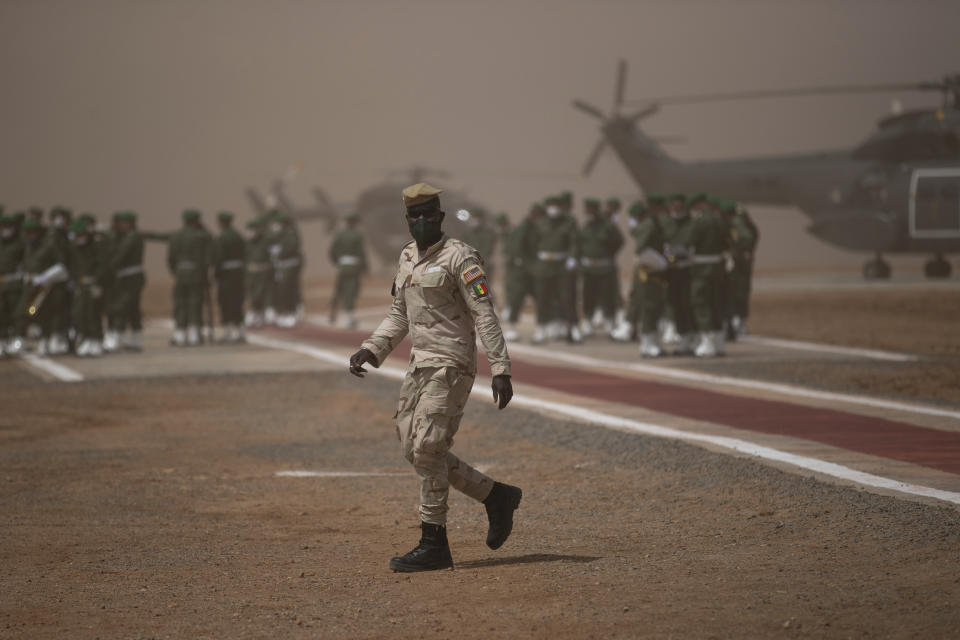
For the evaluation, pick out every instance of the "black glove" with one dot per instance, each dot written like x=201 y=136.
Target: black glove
x=502 y=390
x=360 y=358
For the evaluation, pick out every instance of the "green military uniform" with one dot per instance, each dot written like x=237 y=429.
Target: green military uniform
x=127 y=280
x=612 y=215
x=229 y=268
x=87 y=269
x=482 y=237
x=572 y=315
x=59 y=301
x=520 y=256
x=556 y=243
x=648 y=290
x=677 y=249
x=743 y=243
x=599 y=241
x=259 y=271
x=44 y=266
x=188 y=258
x=11 y=278
x=709 y=241
x=349 y=255
x=287 y=264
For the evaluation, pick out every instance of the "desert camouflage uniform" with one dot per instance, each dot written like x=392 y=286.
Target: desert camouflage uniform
x=441 y=299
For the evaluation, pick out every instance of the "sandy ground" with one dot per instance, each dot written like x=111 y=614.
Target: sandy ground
x=150 y=509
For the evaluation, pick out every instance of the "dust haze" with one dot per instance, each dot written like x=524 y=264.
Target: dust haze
x=159 y=106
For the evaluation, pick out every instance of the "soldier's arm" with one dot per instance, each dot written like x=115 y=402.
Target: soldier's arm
x=392 y=329
x=363 y=255
x=172 y=254
x=473 y=286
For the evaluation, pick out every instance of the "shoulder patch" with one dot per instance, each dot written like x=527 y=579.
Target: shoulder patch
x=473 y=273
x=480 y=289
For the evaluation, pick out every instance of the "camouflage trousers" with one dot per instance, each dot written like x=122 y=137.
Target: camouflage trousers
x=428 y=416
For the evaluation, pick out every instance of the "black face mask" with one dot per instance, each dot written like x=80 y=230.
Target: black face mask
x=426 y=232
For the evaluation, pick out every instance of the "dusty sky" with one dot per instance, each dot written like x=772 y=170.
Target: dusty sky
x=157 y=106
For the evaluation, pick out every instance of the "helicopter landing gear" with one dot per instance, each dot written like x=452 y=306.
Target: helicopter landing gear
x=937 y=267
x=876 y=269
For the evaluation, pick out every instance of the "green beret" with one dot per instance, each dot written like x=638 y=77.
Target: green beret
x=591 y=203
x=61 y=211
x=673 y=197
x=89 y=218
x=728 y=206
x=503 y=217
x=697 y=197
x=636 y=209
x=126 y=216
x=225 y=215
x=256 y=223
x=613 y=202
x=79 y=226
x=31 y=224
x=190 y=214
x=655 y=199
x=536 y=206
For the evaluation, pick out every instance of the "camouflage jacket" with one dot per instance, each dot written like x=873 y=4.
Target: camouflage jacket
x=441 y=299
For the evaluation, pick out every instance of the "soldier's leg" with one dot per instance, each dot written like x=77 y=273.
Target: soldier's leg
x=700 y=297
x=592 y=284
x=195 y=305
x=610 y=298
x=515 y=293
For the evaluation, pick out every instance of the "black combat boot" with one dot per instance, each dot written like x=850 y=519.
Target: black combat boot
x=431 y=554
x=500 y=504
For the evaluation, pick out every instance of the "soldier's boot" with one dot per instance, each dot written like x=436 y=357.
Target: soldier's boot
x=685 y=345
x=649 y=347
x=670 y=335
x=586 y=329
x=83 y=349
x=500 y=504
x=42 y=347
x=95 y=350
x=136 y=341
x=622 y=332
x=111 y=341
x=193 y=336
x=351 y=320
x=598 y=318
x=251 y=318
x=510 y=333
x=574 y=336
x=241 y=335
x=705 y=348
x=431 y=554
x=539 y=335
x=269 y=315
x=15 y=346
x=58 y=344
x=179 y=338
x=719 y=343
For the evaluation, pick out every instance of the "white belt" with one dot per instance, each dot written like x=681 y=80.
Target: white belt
x=552 y=255
x=596 y=262
x=708 y=259
x=132 y=271
x=344 y=261
x=289 y=262
x=231 y=264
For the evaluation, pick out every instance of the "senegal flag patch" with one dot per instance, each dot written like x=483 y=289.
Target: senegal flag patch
x=472 y=274
x=480 y=289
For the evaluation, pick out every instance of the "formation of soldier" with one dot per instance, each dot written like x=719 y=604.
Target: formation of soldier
x=70 y=285
x=689 y=288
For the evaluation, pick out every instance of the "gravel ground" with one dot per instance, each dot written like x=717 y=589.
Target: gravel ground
x=149 y=508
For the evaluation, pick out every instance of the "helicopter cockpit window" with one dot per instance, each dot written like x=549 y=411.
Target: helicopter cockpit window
x=935 y=207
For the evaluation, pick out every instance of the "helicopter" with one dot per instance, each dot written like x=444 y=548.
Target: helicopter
x=897 y=192
x=277 y=198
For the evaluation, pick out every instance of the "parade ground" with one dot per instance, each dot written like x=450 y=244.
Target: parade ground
x=806 y=485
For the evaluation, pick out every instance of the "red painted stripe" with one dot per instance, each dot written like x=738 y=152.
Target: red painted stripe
x=873 y=436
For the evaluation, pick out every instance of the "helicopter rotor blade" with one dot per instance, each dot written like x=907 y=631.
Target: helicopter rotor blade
x=799 y=92
x=589 y=109
x=594 y=156
x=620 y=86
x=669 y=139
x=643 y=113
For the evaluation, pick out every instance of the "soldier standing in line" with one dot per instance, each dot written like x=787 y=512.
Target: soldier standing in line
x=599 y=242
x=11 y=278
x=86 y=268
x=556 y=245
x=611 y=213
x=743 y=240
x=441 y=298
x=107 y=241
x=349 y=255
x=627 y=330
x=127 y=282
x=520 y=256
x=45 y=268
x=229 y=269
x=259 y=271
x=59 y=301
x=572 y=313
x=188 y=258
x=287 y=260
x=709 y=241
x=649 y=290
x=677 y=250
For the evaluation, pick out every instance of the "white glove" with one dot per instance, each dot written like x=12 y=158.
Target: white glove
x=728 y=262
x=571 y=263
x=275 y=250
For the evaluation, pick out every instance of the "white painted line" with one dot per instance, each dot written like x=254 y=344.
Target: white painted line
x=607 y=420
x=338 y=474
x=745 y=383
x=55 y=369
x=873 y=354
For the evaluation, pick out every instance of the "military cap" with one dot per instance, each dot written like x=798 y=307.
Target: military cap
x=225 y=215
x=502 y=217
x=89 y=218
x=566 y=196
x=419 y=193
x=190 y=214
x=699 y=196
x=60 y=210
x=591 y=203
x=79 y=225
x=613 y=202
x=728 y=206
x=128 y=216
x=636 y=209
x=677 y=196
x=257 y=222
x=655 y=198
x=31 y=224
